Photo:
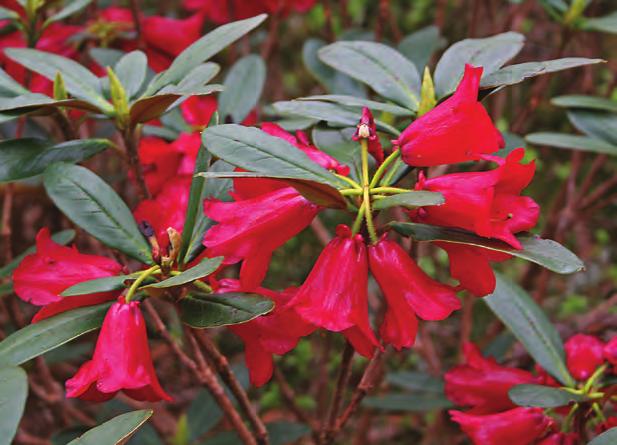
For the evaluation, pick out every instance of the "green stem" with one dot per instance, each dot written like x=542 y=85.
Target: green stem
x=349 y=181
x=383 y=167
x=391 y=190
x=388 y=177
x=359 y=218
x=351 y=192
x=140 y=279
x=568 y=420
x=589 y=383
x=368 y=215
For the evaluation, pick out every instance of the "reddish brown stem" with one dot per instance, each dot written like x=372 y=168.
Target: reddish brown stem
x=328 y=429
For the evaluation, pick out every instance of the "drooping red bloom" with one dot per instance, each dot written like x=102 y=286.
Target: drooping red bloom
x=457 y=130
x=487 y=203
x=367 y=124
x=251 y=229
x=224 y=11
x=172 y=36
x=518 y=426
x=42 y=276
x=334 y=295
x=197 y=111
x=610 y=351
x=409 y=291
x=483 y=384
x=275 y=333
x=584 y=354
x=121 y=360
x=561 y=439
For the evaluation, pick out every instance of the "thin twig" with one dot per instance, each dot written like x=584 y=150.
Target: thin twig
x=328 y=428
x=131 y=142
x=289 y=397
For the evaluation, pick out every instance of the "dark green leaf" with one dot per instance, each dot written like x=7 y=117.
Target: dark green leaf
x=339 y=144
x=13 y=394
x=131 y=70
x=6 y=289
x=243 y=86
x=591 y=102
x=208 y=311
x=351 y=101
x=530 y=326
x=420 y=46
x=7 y=14
x=93 y=205
x=572 y=142
x=202 y=415
x=199 y=76
x=416 y=381
x=597 y=124
x=546 y=253
x=285 y=433
x=23 y=158
x=9 y=87
x=73 y=7
x=115 y=431
x=416 y=402
x=206 y=267
x=608 y=437
x=47 y=334
x=607 y=23
x=105 y=284
x=382 y=68
x=543 y=396
x=490 y=53
x=410 y=200
x=106 y=56
x=41 y=104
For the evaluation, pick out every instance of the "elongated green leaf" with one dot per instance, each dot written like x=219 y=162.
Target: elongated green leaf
x=259 y=152
x=607 y=23
x=70 y=9
x=41 y=104
x=9 y=87
x=490 y=53
x=416 y=381
x=410 y=200
x=416 y=402
x=48 y=334
x=590 y=102
x=608 y=437
x=23 y=158
x=543 y=396
x=243 y=86
x=571 y=142
x=63 y=237
x=202 y=50
x=351 y=101
x=131 y=70
x=13 y=394
x=79 y=81
x=420 y=46
x=524 y=318
x=202 y=415
x=106 y=56
x=206 y=267
x=93 y=205
x=199 y=76
x=208 y=311
x=597 y=124
x=105 y=284
x=115 y=431
x=382 y=68
x=546 y=253
x=7 y=14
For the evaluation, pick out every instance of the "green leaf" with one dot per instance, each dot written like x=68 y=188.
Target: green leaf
x=202 y=50
x=131 y=70
x=73 y=7
x=243 y=86
x=105 y=284
x=382 y=68
x=416 y=381
x=419 y=46
x=115 y=431
x=202 y=415
x=351 y=101
x=7 y=14
x=410 y=200
x=9 y=87
x=571 y=142
x=597 y=124
x=546 y=253
x=607 y=23
x=45 y=335
x=491 y=53
x=524 y=318
x=543 y=396
x=206 y=267
x=416 y=402
x=63 y=237
x=256 y=151
x=608 y=437
x=106 y=56
x=79 y=81
x=285 y=433
x=13 y=394
x=580 y=101
x=24 y=158
x=93 y=205
x=208 y=311
x=199 y=76
x=6 y=289
x=39 y=104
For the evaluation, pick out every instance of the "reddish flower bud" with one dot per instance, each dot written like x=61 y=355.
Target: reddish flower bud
x=482 y=384
x=367 y=129
x=408 y=291
x=610 y=351
x=561 y=439
x=42 y=276
x=334 y=295
x=121 y=360
x=457 y=130
x=584 y=354
x=518 y=426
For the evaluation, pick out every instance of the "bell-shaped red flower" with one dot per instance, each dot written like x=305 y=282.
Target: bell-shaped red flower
x=171 y=36
x=482 y=384
x=197 y=111
x=275 y=333
x=610 y=351
x=584 y=354
x=487 y=203
x=561 y=439
x=224 y=11
x=518 y=426
x=121 y=360
x=457 y=130
x=42 y=276
x=334 y=295
x=409 y=291
x=251 y=229
x=367 y=129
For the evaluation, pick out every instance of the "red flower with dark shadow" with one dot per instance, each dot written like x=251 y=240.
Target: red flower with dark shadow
x=121 y=360
x=457 y=130
x=561 y=439
x=409 y=291
x=584 y=354
x=224 y=11
x=42 y=276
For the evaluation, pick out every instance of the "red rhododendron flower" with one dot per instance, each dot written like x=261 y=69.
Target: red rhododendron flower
x=367 y=123
x=334 y=295
x=121 y=360
x=518 y=426
x=223 y=11
x=487 y=203
x=275 y=333
x=560 y=439
x=457 y=130
x=408 y=291
x=197 y=111
x=584 y=354
x=171 y=35
x=610 y=351
x=482 y=384
x=42 y=276
x=252 y=229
